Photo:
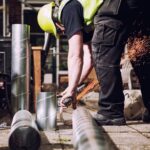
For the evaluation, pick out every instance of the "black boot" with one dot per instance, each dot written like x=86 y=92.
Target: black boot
x=104 y=120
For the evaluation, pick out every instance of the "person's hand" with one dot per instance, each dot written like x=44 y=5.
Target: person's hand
x=68 y=98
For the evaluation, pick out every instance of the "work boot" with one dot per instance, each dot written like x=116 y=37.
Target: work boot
x=146 y=116
x=103 y=120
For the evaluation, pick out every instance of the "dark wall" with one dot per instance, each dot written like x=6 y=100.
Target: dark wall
x=15 y=12
x=1 y=20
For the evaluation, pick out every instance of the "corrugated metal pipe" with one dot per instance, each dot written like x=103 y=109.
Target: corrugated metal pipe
x=87 y=134
x=24 y=134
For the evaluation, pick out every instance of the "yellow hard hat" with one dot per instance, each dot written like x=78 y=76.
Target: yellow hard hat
x=45 y=20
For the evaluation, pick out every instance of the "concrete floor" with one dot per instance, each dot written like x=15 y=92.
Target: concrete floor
x=133 y=136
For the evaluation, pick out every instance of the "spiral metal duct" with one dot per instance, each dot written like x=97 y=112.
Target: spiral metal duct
x=20 y=67
x=46 y=110
x=24 y=134
x=87 y=134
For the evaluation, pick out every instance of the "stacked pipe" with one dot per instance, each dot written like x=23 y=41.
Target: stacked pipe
x=24 y=134
x=20 y=67
x=87 y=134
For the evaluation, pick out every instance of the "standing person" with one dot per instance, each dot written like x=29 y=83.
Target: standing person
x=113 y=19
x=74 y=20
x=113 y=24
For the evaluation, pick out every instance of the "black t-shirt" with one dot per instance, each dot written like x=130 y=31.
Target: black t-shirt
x=73 y=21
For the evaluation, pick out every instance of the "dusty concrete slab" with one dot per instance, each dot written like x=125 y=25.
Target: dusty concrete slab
x=133 y=136
x=133 y=147
x=118 y=129
x=129 y=139
x=146 y=135
x=141 y=127
x=4 y=134
x=50 y=141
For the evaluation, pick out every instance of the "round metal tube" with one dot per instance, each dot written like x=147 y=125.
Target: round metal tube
x=46 y=110
x=87 y=134
x=20 y=67
x=24 y=133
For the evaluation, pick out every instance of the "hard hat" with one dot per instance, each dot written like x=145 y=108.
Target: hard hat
x=45 y=19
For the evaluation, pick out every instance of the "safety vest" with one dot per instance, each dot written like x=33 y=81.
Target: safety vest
x=90 y=7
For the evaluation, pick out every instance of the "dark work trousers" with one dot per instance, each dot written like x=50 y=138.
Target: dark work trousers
x=142 y=71
x=112 y=26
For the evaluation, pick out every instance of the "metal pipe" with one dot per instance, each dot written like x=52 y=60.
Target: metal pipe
x=24 y=134
x=87 y=134
x=46 y=110
x=20 y=67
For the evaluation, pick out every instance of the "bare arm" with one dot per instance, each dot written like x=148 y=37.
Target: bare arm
x=75 y=63
x=75 y=60
x=79 y=65
x=87 y=65
x=87 y=62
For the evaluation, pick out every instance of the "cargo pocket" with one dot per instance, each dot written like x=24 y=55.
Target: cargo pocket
x=104 y=40
x=104 y=34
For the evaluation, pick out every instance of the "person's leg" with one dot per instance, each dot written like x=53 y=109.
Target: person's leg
x=112 y=24
x=108 y=45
